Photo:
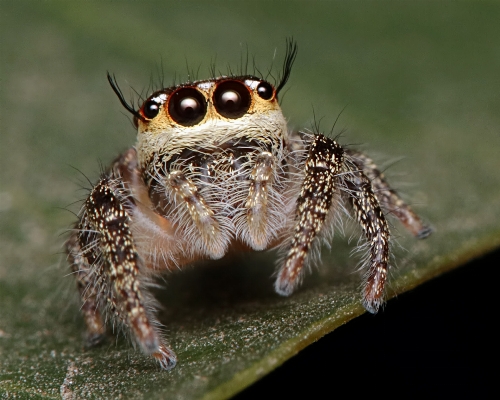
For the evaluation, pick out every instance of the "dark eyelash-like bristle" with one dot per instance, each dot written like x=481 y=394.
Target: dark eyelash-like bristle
x=291 y=54
x=129 y=107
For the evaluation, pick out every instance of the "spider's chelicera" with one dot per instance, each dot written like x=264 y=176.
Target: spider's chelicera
x=214 y=166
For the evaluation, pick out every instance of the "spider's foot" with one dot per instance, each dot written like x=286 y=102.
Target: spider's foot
x=373 y=293
x=372 y=305
x=94 y=339
x=424 y=232
x=166 y=357
x=96 y=332
x=145 y=335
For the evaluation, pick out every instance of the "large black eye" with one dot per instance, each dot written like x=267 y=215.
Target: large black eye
x=187 y=106
x=265 y=90
x=151 y=108
x=232 y=99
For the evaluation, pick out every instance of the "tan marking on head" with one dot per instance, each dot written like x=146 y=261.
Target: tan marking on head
x=162 y=135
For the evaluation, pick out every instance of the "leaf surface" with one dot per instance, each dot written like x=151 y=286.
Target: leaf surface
x=420 y=80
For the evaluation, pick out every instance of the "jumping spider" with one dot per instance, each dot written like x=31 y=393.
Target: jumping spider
x=215 y=167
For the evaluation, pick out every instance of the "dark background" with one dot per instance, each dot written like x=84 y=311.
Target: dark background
x=438 y=339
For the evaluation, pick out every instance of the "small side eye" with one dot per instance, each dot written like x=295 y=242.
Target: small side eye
x=187 y=106
x=265 y=90
x=232 y=99
x=151 y=108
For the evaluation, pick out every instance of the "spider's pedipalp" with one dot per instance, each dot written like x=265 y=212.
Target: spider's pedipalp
x=201 y=214
x=256 y=202
x=324 y=162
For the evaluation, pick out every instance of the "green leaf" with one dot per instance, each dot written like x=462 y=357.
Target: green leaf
x=420 y=80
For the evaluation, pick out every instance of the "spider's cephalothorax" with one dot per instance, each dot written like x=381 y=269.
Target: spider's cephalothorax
x=214 y=167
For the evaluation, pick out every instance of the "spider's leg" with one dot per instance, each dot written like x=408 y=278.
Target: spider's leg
x=117 y=273
x=81 y=263
x=323 y=164
x=372 y=220
x=388 y=197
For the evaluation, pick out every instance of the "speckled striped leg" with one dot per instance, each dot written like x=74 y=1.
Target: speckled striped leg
x=80 y=262
x=256 y=203
x=106 y=215
x=388 y=197
x=201 y=214
x=324 y=162
x=371 y=218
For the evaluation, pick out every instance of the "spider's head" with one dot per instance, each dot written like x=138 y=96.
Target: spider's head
x=208 y=113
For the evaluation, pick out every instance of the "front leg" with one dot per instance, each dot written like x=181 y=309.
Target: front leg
x=108 y=270
x=324 y=168
x=324 y=162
